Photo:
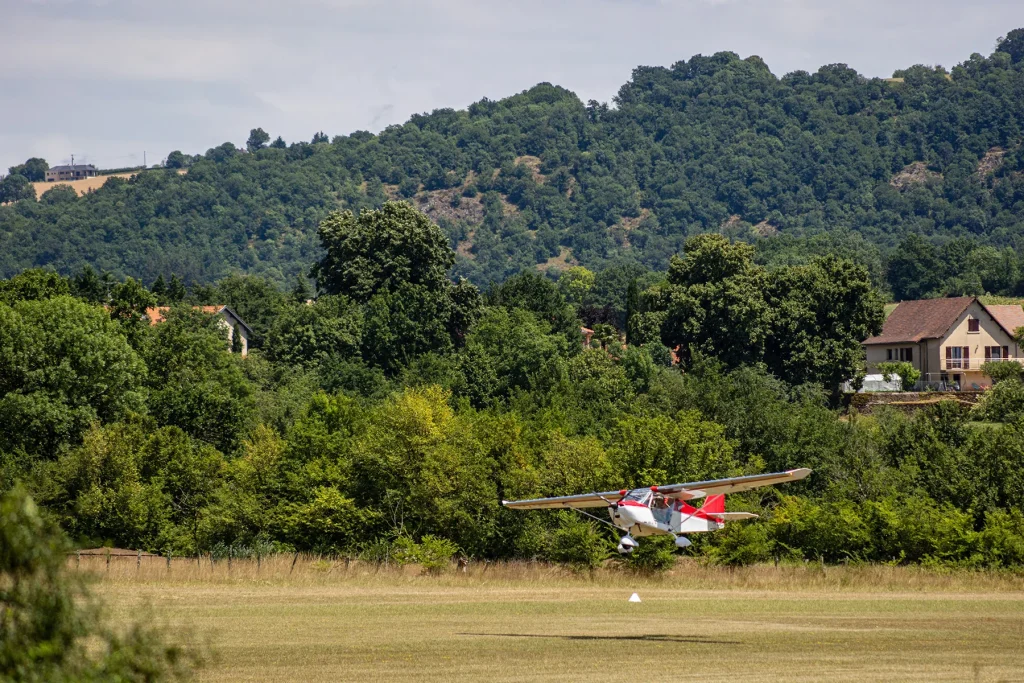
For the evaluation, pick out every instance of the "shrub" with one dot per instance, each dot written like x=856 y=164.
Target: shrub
x=907 y=373
x=50 y=630
x=432 y=553
x=654 y=555
x=1003 y=403
x=1001 y=370
x=578 y=543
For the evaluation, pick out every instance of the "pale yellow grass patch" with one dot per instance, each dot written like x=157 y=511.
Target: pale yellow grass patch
x=320 y=621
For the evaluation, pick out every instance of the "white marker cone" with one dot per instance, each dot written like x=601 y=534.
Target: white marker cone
x=634 y=598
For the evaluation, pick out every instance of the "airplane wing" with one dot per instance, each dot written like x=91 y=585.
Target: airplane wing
x=585 y=500
x=730 y=485
x=687 y=491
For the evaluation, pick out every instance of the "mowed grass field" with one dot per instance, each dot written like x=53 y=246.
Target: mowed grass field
x=322 y=622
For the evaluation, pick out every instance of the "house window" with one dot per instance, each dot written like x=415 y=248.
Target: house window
x=973 y=325
x=888 y=354
x=996 y=353
x=907 y=355
x=958 y=357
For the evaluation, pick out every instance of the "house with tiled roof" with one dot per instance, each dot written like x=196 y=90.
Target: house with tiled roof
x=948 y=340
x=230 y=320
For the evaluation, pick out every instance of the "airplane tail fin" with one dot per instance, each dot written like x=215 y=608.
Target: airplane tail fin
x=714 y=503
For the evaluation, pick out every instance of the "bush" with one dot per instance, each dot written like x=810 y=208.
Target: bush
x=654 y=555
x=1003 y=403
x=741 y=544
x=50 y=630
x=432 y=553
x=907 y=373
x=578 y=543
x=1001 y=370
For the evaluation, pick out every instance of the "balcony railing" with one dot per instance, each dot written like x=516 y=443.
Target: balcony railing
x=975 y=363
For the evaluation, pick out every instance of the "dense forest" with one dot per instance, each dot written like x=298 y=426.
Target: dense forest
x=389 y=416
x=917 y=177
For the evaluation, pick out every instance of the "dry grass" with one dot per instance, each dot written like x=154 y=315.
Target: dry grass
x=524 y=621
x=563 y=261
x=86 y=185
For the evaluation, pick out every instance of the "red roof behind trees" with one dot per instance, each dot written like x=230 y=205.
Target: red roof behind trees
x=913 y=321
x=1009 y=316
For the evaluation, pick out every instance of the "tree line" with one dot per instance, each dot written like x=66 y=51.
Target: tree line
x=918 y=178
x=389 y=415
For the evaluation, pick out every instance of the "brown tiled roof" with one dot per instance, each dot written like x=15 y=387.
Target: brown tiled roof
x=156 y=315
x=913 y=321
x=1009 y=317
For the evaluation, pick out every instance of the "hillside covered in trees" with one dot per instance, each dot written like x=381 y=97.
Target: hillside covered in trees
x=919 y=177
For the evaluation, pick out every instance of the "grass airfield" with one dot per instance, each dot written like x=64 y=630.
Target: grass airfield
x=317 y=621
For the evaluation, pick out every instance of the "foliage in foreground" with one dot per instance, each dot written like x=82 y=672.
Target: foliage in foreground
x=50 y=628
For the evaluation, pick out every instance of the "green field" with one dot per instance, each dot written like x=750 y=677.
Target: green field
x=322 y=622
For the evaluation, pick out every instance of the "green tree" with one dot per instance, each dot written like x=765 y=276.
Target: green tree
x=256 y=299
x=195 y=382
x=914 y=269
x=395 y=262
x=820 y=314
x=92 y=286
x=1012 y=44
x=176 y=160
x=378 y=250
x=175 y=290
x=575 y=283
x=34 y=170
x=130 y=303
x=33 y=284
x=258 y=139
x=311 y=334
x=715 y=302
x=15 y=188
x=63 y=364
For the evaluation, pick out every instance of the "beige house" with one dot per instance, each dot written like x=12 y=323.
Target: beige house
x=948 y=340
x=75 y=172
x=229 y=320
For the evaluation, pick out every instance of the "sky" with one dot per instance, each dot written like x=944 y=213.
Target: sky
x=109 y=80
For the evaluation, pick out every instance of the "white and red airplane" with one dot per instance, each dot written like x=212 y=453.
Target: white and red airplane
x=659 y=510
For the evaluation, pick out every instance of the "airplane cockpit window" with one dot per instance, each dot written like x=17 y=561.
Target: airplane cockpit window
x=642 y=496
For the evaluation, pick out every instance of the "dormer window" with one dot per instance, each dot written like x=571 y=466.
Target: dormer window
x=973 y=325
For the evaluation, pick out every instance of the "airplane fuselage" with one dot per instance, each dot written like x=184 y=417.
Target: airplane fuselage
x=647 y=516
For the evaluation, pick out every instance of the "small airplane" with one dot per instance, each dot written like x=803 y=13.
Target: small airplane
x=660 y=510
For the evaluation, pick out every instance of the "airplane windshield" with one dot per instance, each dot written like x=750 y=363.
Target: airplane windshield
x=640 y=496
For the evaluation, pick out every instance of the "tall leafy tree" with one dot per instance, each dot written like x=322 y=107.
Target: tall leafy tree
x=395 y=262
x=63 y=364
x=715 y=303
x=820 y=314
x=258 y=139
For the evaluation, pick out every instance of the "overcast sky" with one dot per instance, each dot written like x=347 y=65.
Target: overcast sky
x=107 y=79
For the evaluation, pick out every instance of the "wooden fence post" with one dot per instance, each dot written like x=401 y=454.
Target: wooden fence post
x=168 y=560
x=259 y=560
x=78 y=558
x=138 y=561
x=294 y=560
x=108 y=561
x=229 y=559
